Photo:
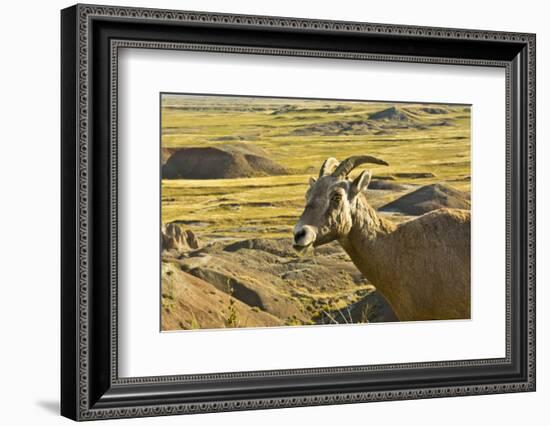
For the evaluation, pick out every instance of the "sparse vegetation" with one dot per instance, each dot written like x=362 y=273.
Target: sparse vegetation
x=241 y=222
x=247 y=207
x=231 y=320
x=369 y=312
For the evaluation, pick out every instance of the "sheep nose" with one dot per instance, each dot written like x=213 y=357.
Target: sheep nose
x=299 y=235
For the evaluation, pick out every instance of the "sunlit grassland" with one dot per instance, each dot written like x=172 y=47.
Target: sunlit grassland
x=269 y=206
x=244 y=208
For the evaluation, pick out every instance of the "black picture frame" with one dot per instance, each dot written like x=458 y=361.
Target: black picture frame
x=90 y=386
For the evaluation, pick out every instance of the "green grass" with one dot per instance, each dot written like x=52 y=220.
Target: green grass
x=269 y=206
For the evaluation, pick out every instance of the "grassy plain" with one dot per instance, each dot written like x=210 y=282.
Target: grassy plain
x=300 y=135
x=253 y=278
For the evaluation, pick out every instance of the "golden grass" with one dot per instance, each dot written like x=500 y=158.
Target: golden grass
x=269 y=206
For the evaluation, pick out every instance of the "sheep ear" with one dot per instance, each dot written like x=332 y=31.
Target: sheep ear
x=360 y=183
x=312 y=181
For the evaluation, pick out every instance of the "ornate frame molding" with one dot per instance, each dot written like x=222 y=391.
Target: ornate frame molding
x=87 y=408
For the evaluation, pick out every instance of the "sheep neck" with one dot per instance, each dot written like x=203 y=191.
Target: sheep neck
x=366 y=244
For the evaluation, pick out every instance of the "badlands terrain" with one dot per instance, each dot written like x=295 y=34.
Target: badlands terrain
x=235 y=171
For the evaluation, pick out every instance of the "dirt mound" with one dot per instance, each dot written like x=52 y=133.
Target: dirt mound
x=267 y=276
x=285 y=109
x=278 y=247
x=415 y=175
x=176 y=238
x=442 y=123
x=371 y=308
x=390 y=114
x=281 y=247
x=428 y=198
x=434 y=110
x=247 y=280
x=245 y=148
x=189 y=302
x=386 y=185
x=223 y=162
x=338 y=127
x=228 y=138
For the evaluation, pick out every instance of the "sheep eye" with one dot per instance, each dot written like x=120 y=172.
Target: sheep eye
x=336 y=197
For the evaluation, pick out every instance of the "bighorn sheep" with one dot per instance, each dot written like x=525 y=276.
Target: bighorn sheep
x=421 y=266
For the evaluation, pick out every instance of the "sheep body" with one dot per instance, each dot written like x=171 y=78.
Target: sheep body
x=421 y=266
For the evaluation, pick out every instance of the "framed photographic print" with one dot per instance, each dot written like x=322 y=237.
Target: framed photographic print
x=263 y=212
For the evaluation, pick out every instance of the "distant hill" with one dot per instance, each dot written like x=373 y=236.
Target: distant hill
x=390 y=114
x=428 y=198
x=386 y=185
x=220 y=162
x=382 y=122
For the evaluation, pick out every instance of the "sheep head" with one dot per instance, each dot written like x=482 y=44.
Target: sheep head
x=330 y=202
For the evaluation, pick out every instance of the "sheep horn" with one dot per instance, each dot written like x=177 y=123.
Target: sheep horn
x=346 y=166
x=328 y=166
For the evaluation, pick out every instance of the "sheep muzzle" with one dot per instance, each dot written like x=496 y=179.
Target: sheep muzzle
x=304 y=237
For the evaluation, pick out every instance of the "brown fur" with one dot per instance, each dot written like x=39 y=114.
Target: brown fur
x=422 y=266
